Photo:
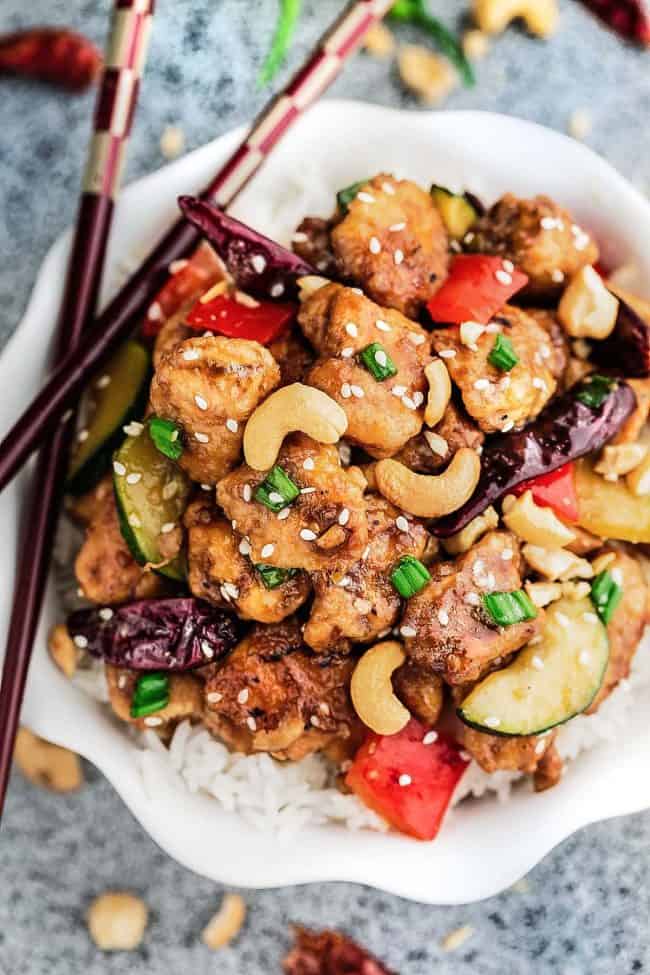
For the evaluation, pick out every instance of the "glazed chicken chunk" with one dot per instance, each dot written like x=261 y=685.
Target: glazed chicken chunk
x=558 y=341
x=311 y=241
x=361 y=603
x=495 y=753
x=324 y=528
x=420 y=691
x=210 y=386
x=446 y=628
x=220 y=571
x=185 y=698
x=497 y=400
x=382 y=414
x=433 y=449
x=537 y=235
x=393 y=244
x=272 y=695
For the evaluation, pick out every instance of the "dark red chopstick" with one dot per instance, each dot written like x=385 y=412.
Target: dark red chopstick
x=67 y=381
x=117 y=97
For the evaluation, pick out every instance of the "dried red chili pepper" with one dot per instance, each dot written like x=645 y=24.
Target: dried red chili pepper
x=329 y=953
x=55 y=55
x=629 y=18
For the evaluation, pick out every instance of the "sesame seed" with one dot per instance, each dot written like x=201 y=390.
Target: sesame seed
x=308 y=464
x=557 y=276
x=508 y=426
x=276 y=497
x=267 y=551
x=365 y=197
x=547 y=223
x=482 y=384
x=106 y=613
x=537 y=663
x=473 y=599
x=562 y=619
x=395 y=227
x=357 y=391
x=590 y=617
x=324 y=708
x=133 y=478
x=314 y=721
x=307 y=535
x=259 y=263
x=344 y=582
x=443 y=617
x=430 y=737
x=244 y=547
x=80 y=641
x=134 y=521
x=277 y=289
x=214 y=697
x=380 y=357
x=202 y=437
x=251 y=723
x=153 y=721
x=508 y=266
x=190 y=355
x=232 y=425
x=133 y=429
x=308 y=490
x=493 y=721
x=82 y=436
x=398 y=391
x=402 y=523
x=447 y=353
x=507 y=554
x=103 y=382
x=119 y=468
x=299 y=237
x=408 y=403
x=503 y=277
x=584 y=657
x=388 y=188
x=365 y=553
x=247 y=492
x=398 y=256
x=374 y=245
x=283 y=515
x=344 y=516
x=345 y=453
x=416 y=338
x=539 y=383
x=382 y=325
x=405 y=779
x=177 y=266
x=201 y=402
x=418 y=398
x=155 y=312
x=346 y=391
x=352 y=330
x=347 y=353
x=408 y=631
x=233 y=525
x=207 y=650
x=617 y=576
x=168 y=527
x=170 y=490
x=242 y=697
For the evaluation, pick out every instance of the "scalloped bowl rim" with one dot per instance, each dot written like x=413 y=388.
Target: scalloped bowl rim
x=484 y=846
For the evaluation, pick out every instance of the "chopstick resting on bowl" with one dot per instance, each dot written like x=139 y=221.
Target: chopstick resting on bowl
x=116 y=101
x=67 y=380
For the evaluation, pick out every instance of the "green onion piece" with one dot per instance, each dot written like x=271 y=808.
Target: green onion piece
x=345 y=197
x=378 y=362
x=277 y=490
x=606 y=594
x=287 y=20
x=166 y=437
x=503 y=355
x=595 y=390
x=409 y=576
x=272 y=577
x=151 y=694
x=415 y=12
x=507 y=608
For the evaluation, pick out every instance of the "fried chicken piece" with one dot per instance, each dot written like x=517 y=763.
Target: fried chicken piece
x=498 y=400
x=210 y=386
x=185 y=698
x=433 y=449
x=105 y=568
x=293 y=356
x=382 y=415
x=393 y=244
x=221 y=572
x=549 y=771
x=559 y=341
x=86 y=507
x=496 y=753
x=626 y=626
x=311 y=241
x=538 y=236
x=420 y=691
x=360 y=604
x=454 y=635
x=272 y=695
x=173 y=332
x=324 y=528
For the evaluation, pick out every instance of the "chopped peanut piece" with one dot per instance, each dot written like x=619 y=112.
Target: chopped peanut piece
x=117 y=921
x=226 y=923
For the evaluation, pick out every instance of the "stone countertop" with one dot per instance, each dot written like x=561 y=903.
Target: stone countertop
x=585 y=908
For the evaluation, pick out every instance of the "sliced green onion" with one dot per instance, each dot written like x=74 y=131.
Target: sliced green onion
x=606 y=594
x=166 y=437
x=286 y=25
x=503 y=355
x=272 y=577
x=415 y=12
x=409 y=576
x=151 y=694
x=595 y=390
x=507 y=608
x=378 y=362
x=345 y=196
x=277 y=490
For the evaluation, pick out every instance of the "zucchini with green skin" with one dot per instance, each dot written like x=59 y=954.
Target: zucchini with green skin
x=120 y=396
x=151 y=493
x=550 y=681
x=457 y=211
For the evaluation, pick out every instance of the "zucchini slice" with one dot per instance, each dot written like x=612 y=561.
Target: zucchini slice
x=148 y=505
x=117 y=401
x=457 y=212
x=549 y=682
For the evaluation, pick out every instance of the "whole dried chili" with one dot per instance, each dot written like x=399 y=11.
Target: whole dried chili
x=629 y=18
x=329 y=953
x=54 y=55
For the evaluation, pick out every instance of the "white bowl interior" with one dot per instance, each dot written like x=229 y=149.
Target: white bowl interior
x=484 y=846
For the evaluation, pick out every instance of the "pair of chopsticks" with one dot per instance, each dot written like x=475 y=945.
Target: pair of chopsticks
x=81 y=349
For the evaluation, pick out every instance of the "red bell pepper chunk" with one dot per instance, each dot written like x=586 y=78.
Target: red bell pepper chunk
x=428 y=774
x=478 y=286
x=556 y=490
x=262 y=323
x=192 y=279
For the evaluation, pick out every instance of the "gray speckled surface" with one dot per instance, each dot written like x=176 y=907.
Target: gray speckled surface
x=586 y=907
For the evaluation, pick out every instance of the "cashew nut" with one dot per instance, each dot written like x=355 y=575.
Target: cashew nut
x=543 y=593
x=537 y=525
x=62 y=650
x=294 y=407
x=540 y=16
x=45 y=764
x=226 y=923
x=463 y=540
x=439 y=392
x=117 y=921
x=619 y=459
x=430 y=496
x=557 y=563
x=638 y=480
x=372 y=692
x=587 y=310
x=427 y=75
x=309 y=285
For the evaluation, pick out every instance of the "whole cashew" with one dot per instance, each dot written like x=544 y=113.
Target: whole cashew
x=439 y=392
x=226 y=923
x=294 y=407
x=430 y=496
x=540 y=16
x=587 y=310
x=47 y=765
x=372 y=692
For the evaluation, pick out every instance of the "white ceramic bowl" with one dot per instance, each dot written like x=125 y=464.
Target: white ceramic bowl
x=484 y=846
